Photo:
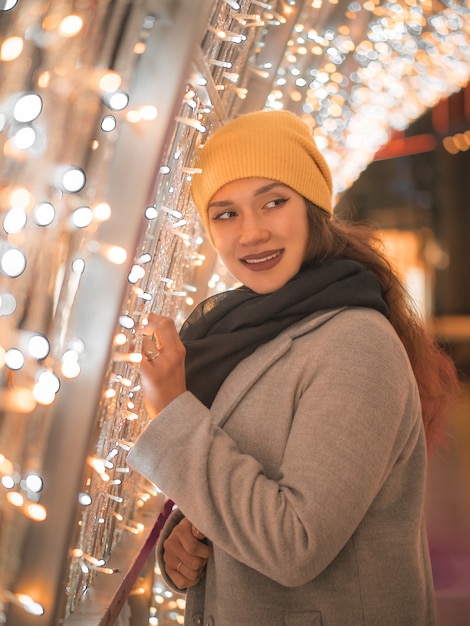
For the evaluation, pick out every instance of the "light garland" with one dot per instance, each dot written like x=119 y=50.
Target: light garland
x=357 y=74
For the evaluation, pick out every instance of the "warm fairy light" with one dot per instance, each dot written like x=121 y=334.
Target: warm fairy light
x=133 y=416
x=76 y=553
x=24 y=138
x=34 y=483
x=71 y=179
x=192 y=122
x=6 y=466
x=14 y=359
x=82 y=217
x=11 y=49
x=70 y=26
x=137 y=591
x=137 y=273
x=105 y=570
x=44 y=79
x=15 y=498
x=18 y=399
x=128 y=357
x=120 y=339
x=116 y=101
x=259 y=72
x=20 y=198
x=116 y=255
x=85 y=499
x=459 y=142
x=70 y=367
x=8 y=482
x=109 y=82
x=108 y=123
x=30 y=605
x=133 y=116
x=98 y=565
x=139 y=47
x=49 y=380
x=99 y=465
x=43 y=395
x=148 y=112
x=102 y=211
x=27 y=108
x=35 y=511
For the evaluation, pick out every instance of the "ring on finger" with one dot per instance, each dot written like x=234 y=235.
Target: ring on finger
x=152 y=355
x=156 y=340
x=179 y=567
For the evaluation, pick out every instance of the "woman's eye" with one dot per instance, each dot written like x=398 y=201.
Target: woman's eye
x=277 y=202
x=224 y=215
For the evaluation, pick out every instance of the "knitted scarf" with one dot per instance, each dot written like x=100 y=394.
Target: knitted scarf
x=228 y=327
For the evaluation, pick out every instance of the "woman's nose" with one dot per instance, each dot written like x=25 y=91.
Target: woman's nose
x=252 y=231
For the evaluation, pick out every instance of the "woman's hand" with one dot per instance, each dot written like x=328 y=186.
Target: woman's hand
x=162 y=369
x=185 y=556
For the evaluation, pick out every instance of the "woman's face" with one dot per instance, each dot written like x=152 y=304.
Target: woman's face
x=260 y=230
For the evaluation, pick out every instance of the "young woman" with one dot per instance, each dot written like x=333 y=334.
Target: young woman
x=292 y=413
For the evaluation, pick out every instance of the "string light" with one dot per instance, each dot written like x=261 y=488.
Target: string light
x=70 y=26
x=24 y=601
x=405 y=60
x=11 y=48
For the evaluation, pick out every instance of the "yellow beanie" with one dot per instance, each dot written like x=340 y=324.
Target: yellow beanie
x=266 y=144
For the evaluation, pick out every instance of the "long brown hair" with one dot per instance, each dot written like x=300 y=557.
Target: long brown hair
x=435 y=373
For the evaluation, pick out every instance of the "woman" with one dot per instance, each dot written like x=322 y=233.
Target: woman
x=292 y=412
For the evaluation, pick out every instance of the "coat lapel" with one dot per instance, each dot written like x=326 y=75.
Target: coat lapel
x=248 y=371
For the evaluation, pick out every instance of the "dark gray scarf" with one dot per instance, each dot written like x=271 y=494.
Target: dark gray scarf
x=228 y=327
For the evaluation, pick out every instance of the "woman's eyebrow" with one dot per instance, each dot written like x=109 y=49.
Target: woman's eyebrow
x=221 y=203
x=268 y=187
x=258 y=192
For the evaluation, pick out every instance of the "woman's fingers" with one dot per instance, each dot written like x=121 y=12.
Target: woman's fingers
x=162 y=367
x=185 y=557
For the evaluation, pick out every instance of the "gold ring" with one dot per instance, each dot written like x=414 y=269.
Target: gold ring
x=179 y=565
x=151 y=356
x=156 y=340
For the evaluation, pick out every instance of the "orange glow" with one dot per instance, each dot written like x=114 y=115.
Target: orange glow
x=35 y=511
x=70 y=26
x=11 y=48
x=110 y=82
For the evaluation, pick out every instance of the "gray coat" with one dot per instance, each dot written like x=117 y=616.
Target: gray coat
x=308 y=476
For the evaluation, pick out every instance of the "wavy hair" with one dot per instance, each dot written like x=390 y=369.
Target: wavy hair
x=434 y=370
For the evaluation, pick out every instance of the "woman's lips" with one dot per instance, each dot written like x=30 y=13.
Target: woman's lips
x=263 y=261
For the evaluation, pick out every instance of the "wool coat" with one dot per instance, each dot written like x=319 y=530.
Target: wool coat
x=308 y=476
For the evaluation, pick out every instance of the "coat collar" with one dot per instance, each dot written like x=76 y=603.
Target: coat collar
x=248 y=372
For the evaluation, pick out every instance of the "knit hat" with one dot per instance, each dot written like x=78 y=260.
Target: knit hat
x=265 y=144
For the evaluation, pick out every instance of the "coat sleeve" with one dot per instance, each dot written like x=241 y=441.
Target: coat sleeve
x=355 y=415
